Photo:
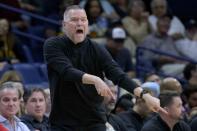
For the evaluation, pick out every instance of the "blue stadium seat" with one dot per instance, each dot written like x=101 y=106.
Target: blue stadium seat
x=28 y=54
x=30 y=75
x=42 y=70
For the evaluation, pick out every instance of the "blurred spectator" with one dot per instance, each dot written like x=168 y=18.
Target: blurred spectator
x=161 y=41
x=191 y=96
x=190 y=74
x=112 y=119
x=14 y=18
x=187 y=46
x=171 y=84
x=115 y=46
x=123 y=103
x=108 y=9
x=172 y=103
x=134 y=118
x=34 y=6
x=11 y=75
x=153 y=87
x=9 y=106
x=98 y=23
x=10 y=46
x=121 y=7
x=136 y=23
x=128 y=43
x=160 y=8
x=152 y=77
x=35 y=104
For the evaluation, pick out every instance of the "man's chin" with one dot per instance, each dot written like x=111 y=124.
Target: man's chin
x=79 y=39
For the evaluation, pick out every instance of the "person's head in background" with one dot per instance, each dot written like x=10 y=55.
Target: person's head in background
x=123 y=103
x=115 y=39
x=163 y=24
x=16 y=79
x=141 y=107
x=75 y=24
x=4 y=27
x=190 y=74
x=94 y=10
x=153 y=87
x=159 y=7
x=191 y=95
x=109 y=102
x=136 y=9
x=191 y=29
x=35 y=103
x=171 y=84
x=152 y=77
x=11 y=75
x=172 y=103
x=9 y=101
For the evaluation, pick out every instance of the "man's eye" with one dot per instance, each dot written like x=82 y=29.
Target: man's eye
x=74 y=20
x=5 y=99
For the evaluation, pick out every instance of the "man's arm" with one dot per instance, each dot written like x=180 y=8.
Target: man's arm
x=100 y=85
x=57 y=61
x=114 y=73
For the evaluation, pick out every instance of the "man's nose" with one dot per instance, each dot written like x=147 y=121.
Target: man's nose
x=79 y=22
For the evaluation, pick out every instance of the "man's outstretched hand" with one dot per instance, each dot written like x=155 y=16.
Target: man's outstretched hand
x=154 y=104
x=101 y=87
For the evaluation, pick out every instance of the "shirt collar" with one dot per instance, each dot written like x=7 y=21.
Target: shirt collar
x=29 y=117
x=3 y=119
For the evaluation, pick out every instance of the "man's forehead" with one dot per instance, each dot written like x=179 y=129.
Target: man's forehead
x=77 y=12
x=177 y=100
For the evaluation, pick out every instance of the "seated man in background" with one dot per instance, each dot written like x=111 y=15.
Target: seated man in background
x=113 y=119
x=35 y=104
x=135 y=117
x=115 y=45
x=9 y=106
x=172 y=103
x=163 y=46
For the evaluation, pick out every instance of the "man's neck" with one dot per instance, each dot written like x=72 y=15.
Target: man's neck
x=169 y=121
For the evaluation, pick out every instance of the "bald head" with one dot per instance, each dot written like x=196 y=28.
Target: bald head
x=171 y=84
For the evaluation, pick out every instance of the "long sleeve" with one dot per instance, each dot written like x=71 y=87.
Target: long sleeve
x=59 y=62
x=114 y=72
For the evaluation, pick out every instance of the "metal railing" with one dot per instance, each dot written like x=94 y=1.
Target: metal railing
x=146 y=69
x=36 y=16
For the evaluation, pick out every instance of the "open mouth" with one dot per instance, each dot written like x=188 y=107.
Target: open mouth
x=79 y=31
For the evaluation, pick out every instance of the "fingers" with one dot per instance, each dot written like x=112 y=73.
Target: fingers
x=111 y=94
x=163 y=111
x=106 y=92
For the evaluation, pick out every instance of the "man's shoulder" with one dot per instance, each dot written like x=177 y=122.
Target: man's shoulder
x=55 y=39
x=183 y=126
x=153 y=124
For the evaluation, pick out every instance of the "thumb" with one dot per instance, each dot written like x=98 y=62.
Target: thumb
x=111 y=95
x=162 y=111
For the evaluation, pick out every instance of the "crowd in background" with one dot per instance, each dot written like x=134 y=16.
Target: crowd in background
x=121 y=26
